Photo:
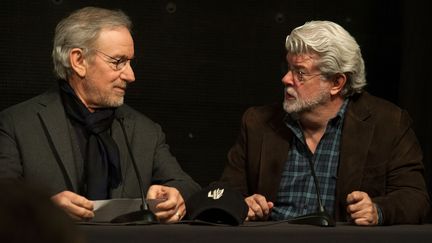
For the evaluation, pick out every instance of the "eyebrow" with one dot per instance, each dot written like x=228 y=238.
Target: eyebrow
x=122 y=57
x=297 y=66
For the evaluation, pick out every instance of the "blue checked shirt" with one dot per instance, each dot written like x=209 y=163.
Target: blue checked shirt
x=297 y=193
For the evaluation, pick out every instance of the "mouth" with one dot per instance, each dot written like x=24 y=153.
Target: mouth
x=290 y=94
x=289 y=97
x=120 y=89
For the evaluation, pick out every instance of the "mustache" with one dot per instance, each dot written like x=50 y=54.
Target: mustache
x=122 y=85
x=291 y=91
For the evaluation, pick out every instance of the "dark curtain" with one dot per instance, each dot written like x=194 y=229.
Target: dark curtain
x=416 y=77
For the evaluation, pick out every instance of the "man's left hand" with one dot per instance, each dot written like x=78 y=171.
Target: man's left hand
x=171 y=210
x=361 y=209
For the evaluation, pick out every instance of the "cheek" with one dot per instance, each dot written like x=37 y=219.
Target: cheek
x=105 y=79
x=303 y=91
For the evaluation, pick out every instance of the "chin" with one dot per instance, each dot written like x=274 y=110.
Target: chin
x=114 y=103
x=289 y=107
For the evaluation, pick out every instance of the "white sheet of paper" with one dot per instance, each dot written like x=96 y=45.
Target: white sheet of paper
x=106 y=210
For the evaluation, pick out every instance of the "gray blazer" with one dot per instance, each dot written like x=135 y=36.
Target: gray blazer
x=37 y=143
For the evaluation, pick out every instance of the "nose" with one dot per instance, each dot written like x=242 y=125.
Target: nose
x=128 y=74
x=288 y=78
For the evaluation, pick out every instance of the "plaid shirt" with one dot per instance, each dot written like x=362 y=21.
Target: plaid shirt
x=297 y=193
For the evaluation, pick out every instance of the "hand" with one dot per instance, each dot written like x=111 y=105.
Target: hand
x=171 y=210
x=361 y=209
x=76 y=206
x=259 y=207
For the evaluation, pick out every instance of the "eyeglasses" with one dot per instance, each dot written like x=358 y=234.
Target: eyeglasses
x=299 y=76
x=118 y=64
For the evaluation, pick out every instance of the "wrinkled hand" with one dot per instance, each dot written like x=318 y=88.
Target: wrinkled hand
x=76 y=206
x=259 y=207
x=169 y=211
x=361 y=209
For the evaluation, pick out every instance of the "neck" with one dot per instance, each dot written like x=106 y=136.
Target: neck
x=317 y=119
x=75 y=82
x=314 y=122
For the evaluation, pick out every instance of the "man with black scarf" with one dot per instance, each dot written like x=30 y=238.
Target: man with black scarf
x=74 y=139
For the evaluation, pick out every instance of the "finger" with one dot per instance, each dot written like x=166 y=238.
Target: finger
x=167 y=205
x=258 y=203
x=363 y=213
x=263 y=206
x=174 y=200
x=174 y=206
x=254 y=208
x=270 y=205
x=75 y=211
x=352 y=208
x=178 y=211
x=155 y=191
x=76 y=206
x=357 y=207
x=352 y=197
x=360 y=221
x=81 y=212
x=258 y=211
x=163 y=215
x=182 y=209
x=369 y=214
x=173 y=219
x=365 y=204
x=355 y=197
x=364 y=221
x=82 y=202
x=250 y=215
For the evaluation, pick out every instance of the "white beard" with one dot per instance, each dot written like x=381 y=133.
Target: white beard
x=299 y=105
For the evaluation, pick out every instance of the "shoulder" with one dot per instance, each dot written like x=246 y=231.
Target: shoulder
x=377 y=110
x=259 y=116
x=140 y=120
x=264 y=111
x=29 y=108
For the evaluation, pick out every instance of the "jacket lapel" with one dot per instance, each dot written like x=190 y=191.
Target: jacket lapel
x=274 y=153
x=119 y=138
x=54 y=119
x=356 y=131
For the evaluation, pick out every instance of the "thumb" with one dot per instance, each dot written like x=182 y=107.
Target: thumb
x=152 y=192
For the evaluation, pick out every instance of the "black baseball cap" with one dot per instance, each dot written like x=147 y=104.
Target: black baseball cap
x=217 y=204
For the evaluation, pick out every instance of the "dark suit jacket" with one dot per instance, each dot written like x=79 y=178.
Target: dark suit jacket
x=379 y=154
x=37 y=143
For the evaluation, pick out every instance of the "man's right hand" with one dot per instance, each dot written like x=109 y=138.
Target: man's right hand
x=259 y=208
x=74 y=205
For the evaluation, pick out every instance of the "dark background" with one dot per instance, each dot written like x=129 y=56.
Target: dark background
x=202 y=63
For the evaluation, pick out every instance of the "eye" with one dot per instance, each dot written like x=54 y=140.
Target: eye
x=301 y=73
x=119 y=63
x=116 y=61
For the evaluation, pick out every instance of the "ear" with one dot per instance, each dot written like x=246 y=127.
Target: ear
x=339 y=82
x=78 y=62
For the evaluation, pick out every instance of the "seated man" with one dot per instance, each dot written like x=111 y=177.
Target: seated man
x=364 y=152
x=75 y=138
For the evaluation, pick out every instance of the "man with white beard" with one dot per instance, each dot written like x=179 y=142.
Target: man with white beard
x=366 y=157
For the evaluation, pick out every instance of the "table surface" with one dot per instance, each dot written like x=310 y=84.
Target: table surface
x=256 y=232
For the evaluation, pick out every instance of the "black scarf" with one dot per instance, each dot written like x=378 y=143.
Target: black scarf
x=102 y=170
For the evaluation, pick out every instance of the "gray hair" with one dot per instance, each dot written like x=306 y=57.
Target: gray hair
x=81 y=29
x=337 y=49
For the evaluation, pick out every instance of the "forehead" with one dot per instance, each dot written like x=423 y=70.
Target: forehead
x=303 y=59
x=115 y=40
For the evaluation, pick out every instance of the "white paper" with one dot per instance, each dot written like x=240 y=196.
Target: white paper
x=106 y=210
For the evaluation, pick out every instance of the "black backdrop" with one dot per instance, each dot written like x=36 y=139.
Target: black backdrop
x=202 y=63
